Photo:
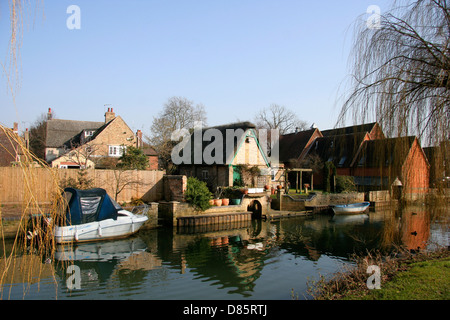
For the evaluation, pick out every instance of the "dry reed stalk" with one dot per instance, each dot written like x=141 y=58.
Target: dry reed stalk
x=42 y=244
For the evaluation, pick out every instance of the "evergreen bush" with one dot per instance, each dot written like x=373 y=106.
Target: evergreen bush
x=197 y=194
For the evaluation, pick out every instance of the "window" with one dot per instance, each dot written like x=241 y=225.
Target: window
x=116 y=151
x=342 y=161
x=273 y=174
x=89 y=133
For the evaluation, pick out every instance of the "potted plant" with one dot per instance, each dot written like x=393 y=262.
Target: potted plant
x=218 y=202
x=225 y=201
x=236 y=201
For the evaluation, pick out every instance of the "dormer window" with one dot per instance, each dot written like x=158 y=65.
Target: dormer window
x=88 y=133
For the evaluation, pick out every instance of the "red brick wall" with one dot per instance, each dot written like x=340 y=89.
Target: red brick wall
x=416 y=171
x=152 y=163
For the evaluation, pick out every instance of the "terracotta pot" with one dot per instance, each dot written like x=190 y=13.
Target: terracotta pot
x=211 y=202
x=266 y=187
x=218 y=202
x=244 y=191
x=225 y=202
x=279 y=187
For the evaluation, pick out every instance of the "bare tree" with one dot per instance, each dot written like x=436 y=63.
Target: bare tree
x=401 y=71
x=38 y=136
x=83 y=154
x=178 y=113
x=279 y=117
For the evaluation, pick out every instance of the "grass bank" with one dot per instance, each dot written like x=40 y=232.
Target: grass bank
x=404 y=276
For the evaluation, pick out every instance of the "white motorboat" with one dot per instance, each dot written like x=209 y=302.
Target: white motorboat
x=92 y=215
x=353 y=208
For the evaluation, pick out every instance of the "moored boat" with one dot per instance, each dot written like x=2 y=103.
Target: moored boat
x=352 y=208
x=92 y=215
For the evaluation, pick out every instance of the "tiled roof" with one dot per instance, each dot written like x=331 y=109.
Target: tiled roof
x=293 y=144
x=60 y=131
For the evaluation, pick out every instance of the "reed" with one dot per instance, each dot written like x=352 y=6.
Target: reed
x=351 y=281
x=34 y=238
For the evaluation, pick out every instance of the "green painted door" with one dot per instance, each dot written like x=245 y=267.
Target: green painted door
x=236 y=176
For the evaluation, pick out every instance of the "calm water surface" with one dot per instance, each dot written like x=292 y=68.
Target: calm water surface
x=254 y=260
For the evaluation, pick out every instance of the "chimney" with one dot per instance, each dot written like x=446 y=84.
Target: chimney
x=139 y=143
x=16 y=128
x=49 y=114
x=109 y=115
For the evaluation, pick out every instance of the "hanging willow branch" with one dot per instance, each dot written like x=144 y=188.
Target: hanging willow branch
x=400 y=71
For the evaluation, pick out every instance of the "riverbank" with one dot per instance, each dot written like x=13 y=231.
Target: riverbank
x=403 y=276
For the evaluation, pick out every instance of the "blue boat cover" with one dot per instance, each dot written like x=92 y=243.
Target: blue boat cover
x=84 y=206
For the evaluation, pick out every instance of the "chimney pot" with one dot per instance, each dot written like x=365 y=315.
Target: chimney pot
x=109 y=115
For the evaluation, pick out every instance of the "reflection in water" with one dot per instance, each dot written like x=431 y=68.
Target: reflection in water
x=258 y=259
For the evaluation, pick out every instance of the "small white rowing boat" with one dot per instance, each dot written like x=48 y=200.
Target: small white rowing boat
x=353 y=208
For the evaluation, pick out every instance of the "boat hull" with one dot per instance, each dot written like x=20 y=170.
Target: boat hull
x=125 y=225
x=355 y=208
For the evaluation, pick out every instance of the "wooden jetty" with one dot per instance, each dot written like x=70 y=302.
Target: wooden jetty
x=275 y=214
x=216 y=218
x=319 y=209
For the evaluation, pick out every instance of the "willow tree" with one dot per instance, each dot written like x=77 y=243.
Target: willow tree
x=22 y=260
x=400 y=71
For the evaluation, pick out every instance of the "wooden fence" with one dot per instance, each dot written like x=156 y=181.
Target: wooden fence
x=18 y=185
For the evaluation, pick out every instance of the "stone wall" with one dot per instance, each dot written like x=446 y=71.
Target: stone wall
x=152 y=214
x=336 y=198
x=169 y=211
x=292 y=203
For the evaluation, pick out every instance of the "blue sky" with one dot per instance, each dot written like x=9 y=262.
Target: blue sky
x=235 y=57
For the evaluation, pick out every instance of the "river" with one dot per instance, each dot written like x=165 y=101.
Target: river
x=273 y=260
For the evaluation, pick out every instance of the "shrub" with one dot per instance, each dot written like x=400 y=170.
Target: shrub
x=345 y=184
x=197 y=194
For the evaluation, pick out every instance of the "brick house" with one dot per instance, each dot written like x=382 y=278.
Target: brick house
x=439 y=159
x=226 y=171
x=294 y=146
x=149 y=152
x=95 y=145
x=381 y=162
x=62 y=135
x=373 y=129
x=9 y=145
x=293 y=150
x=339 y=146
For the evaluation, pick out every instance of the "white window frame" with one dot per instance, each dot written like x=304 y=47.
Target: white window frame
x=116 y=151
x=88 y=133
